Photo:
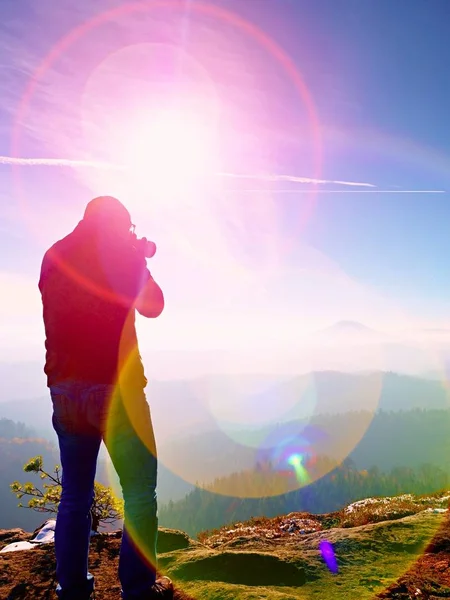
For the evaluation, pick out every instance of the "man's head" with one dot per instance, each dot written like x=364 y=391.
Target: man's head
x=108 y=213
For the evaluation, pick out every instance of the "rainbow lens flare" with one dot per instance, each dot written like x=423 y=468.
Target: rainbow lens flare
x=301 y=473
x=328 y=555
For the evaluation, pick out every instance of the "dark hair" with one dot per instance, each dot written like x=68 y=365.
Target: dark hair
x=107 y=209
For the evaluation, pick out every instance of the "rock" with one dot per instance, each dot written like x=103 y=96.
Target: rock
x=9 y=536
x=172 y=539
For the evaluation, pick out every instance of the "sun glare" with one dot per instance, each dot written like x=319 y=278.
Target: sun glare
x=169 y=152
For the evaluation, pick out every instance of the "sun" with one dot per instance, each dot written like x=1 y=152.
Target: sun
x=169 y=152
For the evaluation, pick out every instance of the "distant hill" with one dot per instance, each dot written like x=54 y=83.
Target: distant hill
x=347 y=412
x=10 y=430
x=182 y=408
x=19 y=443
x=14 y=454
x=334 y=392
x=36 y=413
x=395 y=440
x=215 y=426
x=249 y=492
x=350 y=332
x=351 y=346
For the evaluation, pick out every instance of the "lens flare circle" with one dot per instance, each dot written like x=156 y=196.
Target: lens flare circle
x=127 y=428
x=239 y=404
x=220 y=14
x=275 y=442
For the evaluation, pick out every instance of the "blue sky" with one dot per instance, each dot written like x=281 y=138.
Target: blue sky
x=375 y=76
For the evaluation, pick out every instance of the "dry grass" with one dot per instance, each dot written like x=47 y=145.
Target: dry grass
x=375 y=510
x=363 y=512
x=260 y=528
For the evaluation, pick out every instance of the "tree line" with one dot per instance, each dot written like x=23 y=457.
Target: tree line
x=204 y=509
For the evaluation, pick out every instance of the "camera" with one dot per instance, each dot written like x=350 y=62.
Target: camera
x=144 y=246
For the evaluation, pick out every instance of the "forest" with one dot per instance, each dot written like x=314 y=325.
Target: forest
x=400 y=452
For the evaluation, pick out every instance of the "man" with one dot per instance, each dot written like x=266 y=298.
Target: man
x=91 y=283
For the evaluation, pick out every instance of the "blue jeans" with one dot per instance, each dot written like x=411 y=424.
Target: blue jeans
x=83 y=416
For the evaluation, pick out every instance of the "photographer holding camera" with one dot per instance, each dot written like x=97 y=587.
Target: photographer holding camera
x=91 y=283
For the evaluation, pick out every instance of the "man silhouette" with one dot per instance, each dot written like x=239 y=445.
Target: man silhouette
x=91 y=282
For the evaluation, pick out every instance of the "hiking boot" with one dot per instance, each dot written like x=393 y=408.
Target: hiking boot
x=78 y=593
x=162 y=588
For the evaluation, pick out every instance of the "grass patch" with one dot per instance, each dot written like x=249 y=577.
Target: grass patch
x=246 y=568
x=370 y=558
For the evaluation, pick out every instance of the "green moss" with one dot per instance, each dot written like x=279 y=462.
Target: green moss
x=370 y=559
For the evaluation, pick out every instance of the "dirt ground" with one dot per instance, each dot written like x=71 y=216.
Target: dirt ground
x=30 y=574
x=429 y=577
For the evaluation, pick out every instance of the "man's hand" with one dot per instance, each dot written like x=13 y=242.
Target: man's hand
x=150 y=302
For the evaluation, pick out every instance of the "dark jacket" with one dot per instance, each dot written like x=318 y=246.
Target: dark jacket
x=89 y=284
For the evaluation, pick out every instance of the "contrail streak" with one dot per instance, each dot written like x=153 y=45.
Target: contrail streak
x=315 y=191
x=295 y=179
x=58 y=162
x=64 y=162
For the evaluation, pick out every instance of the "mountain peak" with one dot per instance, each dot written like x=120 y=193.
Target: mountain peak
x=349 y=332
x=350 y=326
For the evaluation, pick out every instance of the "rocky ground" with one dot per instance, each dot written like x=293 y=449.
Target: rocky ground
x=30 y=574
x=395 y=548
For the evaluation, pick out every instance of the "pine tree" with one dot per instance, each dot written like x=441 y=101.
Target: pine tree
x=105 y=508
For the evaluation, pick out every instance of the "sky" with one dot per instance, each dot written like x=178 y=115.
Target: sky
x=289 y=158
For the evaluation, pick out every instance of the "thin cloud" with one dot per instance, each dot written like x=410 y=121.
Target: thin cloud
x=58 y=162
